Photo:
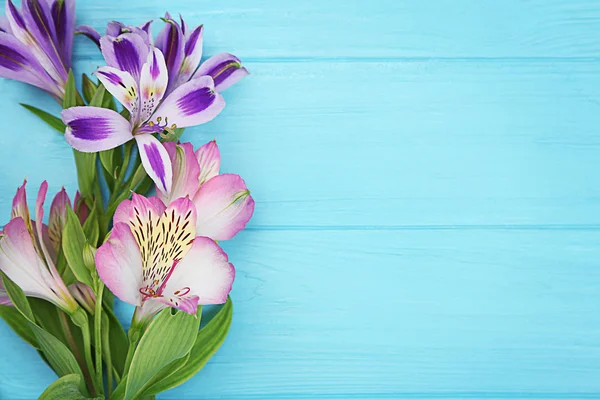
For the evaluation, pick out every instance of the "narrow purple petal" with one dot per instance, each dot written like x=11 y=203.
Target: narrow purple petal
x=128 y=52
x=91 y=129
x=90 y=33
x=63 y=13
x=193 y=54
x=193 y=103
x=121 y=85
x=156 y=161
x=153 y=83
x=226 y=69
x=114 y=28
x=15 y=18
x=4 y=24
x=172 y=42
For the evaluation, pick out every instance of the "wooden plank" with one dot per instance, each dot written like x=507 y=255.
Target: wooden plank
x=374 y=144
x=379 y=28
x=396 y=314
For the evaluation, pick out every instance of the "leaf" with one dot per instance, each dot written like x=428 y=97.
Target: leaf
x=119 y=343
x=18 y=323
x=72 y=97
x=98 y=97
x=73 y=242
x=17 y=297
x=89 y=88
x=52 y=121
x=91 y=229
x=106 y=159
x=86 y=172
x=65 y=388
x=178 y=330
x=208 y=341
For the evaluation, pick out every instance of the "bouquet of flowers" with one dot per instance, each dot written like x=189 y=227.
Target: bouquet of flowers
x=145 y=223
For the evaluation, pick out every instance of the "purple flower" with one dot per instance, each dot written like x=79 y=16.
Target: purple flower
x=36 y=43
x=140 y=84
x=182 y=49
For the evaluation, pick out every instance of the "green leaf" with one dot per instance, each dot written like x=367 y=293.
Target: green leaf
x=72 y=244
x=52 y=121
x=86 y=172
x=119 y=343
x=91 y=229
x=178 y=330
x=18 y=323
x=17 y=297
x=208 y=341
x=109 y=102
x=65 y=388
x=72 y=97
x=98 y=97
x=106 y=158
x=89 y=88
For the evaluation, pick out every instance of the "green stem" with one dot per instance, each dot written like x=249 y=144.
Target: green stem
x=87 y=349
x=71 y=340
x=98 y=337
x=107 y=354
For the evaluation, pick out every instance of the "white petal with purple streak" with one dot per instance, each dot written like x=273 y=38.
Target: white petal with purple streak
x=91 y=129
x=156 y=161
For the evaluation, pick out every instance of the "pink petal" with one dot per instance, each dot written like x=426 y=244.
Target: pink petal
x=209 y=158
x=58 y=218
x=192 y=103
x=119 y=265
x=185 y=172
x=204 y=276
x=156 y=162
x=20 y=208
x=224 y=207
x=148 y=210
x=153 y=83
x=91 y=129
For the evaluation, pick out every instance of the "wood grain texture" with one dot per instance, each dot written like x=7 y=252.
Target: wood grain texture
x=428 y=218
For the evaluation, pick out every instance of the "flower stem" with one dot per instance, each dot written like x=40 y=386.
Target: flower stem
x=71 y=340
x=87 y=349
x=107 y=354
x=98 y=337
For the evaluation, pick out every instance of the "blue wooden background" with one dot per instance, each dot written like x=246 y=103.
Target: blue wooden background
x=428 y=204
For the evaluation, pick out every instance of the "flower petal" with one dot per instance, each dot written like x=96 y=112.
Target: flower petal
x=80 y=208
x=209 y=158
x=153 y=83
x=19 y=63
x=171 y=42
x=119 y=264
x=63 y=13
x=186 y=171
x=58 y=218
x=114 y=28
x=121 y=85
x=89 y=32
x=22 y=264
x=226 y=69
x=39 y=216
x=127 y=52
x=192 y=103
x=40 y=24
x=139 y=210
x=155 y=160
x=204 y=276
x=147 y=27
x=4 y=24
x=91 y=129
x=192 y=55
x=224 y=207
x=20 y=208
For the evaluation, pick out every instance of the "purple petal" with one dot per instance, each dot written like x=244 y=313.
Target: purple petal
x=4 y=24
x=147 y=27
x=226 y=69
x=40 y=24
x=63 y=13
x=155 y=160
x=153 y=83
x=18 y=63
x=192 y=54
x=114 y=28
x=91 y=129
x=171 y=42
x=121 y=85
x=128 y=52
x=193 y=103
x=89 y=32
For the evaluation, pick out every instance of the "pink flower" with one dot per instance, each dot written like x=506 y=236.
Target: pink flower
x=153 y=258
x=28 y=249
x=223 y=202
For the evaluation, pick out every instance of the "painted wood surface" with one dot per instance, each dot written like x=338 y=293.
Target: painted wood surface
x=428 y=213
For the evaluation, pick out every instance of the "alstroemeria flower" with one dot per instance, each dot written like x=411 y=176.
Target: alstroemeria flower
x=181 y=46
x=27 y=256
x=92 y=129
x=223 y=202
x=153 y=258
x=36 y=43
